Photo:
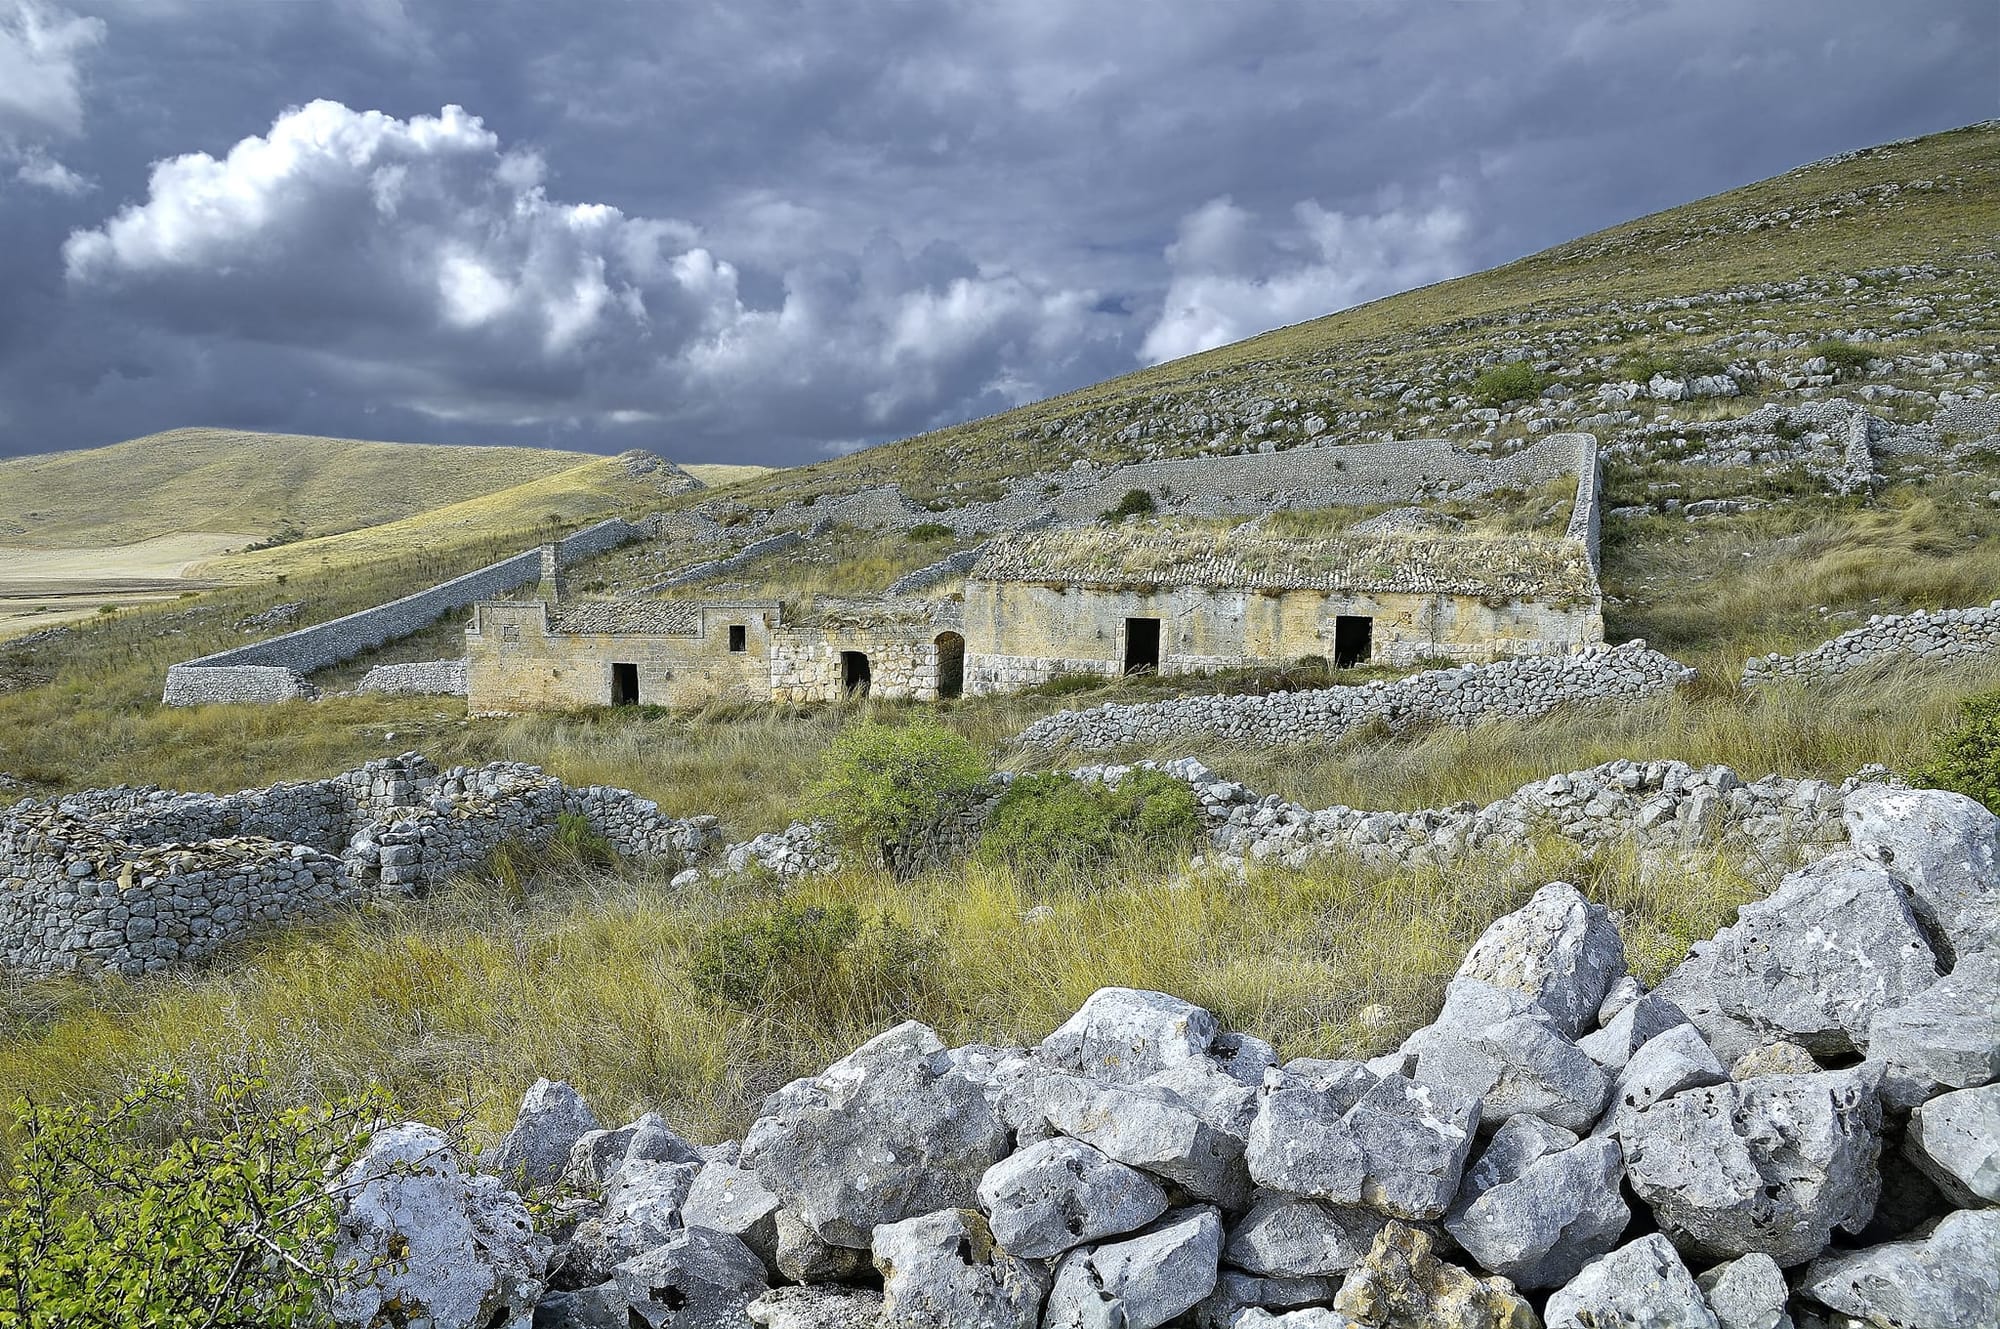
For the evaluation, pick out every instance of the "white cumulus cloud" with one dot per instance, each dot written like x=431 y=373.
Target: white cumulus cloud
x=1231 y=277
x=41 y=89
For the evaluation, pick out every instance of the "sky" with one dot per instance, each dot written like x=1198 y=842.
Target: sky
x=774 y=232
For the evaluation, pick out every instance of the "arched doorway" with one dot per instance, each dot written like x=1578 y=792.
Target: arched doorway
x=854 y=676
x=950 y=665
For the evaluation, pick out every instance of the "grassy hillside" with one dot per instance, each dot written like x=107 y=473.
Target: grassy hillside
x=255 y=485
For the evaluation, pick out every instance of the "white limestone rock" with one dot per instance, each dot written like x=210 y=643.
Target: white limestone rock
x=817 y=1307
x=1749 y=1293
x=1141 y=1282
x=641 y=1210
x=552 y=1118
x=1559 y=949
x=1539 y=1204
x=1236 y=1292
x=1289 y=1236
x=446 y=1244
x=1640 y=1286
x=945 y=1271
x=1947 y=1278
x=730 y=1199
x=1944 y=847
x=1122 y=1035
x=1636 y=1024
x=1955 y=1139
x=697 y=1279
x=1676 y=1060
x=804 y=1258
x=1062 y=1193
x=1947 y=1036
x=1151 y=1128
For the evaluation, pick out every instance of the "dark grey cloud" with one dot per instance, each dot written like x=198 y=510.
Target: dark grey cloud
x=765 y=231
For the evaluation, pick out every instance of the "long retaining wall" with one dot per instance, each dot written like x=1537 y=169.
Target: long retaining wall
x=135 y=880
x=1520 y=688
x=275 y=669
x=1938 y=637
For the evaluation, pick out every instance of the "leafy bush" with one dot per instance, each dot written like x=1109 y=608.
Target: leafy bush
x=878 y=783
x=925 y=532
x=1057 y=818
x=1967 y=760
x=1514 y=381
x=824 y=959
x=139 y=1216
x=1066 y=684
x=1136 y=503
x=1845 y=359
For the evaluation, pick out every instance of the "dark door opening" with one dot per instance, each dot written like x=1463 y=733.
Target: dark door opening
x=739 y=638
x=854 y=673
x=950 y=665
x=1353 y=640
x=1142 y=645
x=624 y=685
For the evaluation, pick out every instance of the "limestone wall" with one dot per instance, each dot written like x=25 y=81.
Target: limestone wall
x=806 y=663
x=281 y=663
x=1939 y=637
x=1518 y=688
x=444 y=678
x=518 y=661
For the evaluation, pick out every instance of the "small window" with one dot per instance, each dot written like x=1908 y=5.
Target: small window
x=739 y=638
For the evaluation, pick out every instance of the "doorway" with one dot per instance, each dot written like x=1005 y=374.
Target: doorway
x=854 y=673
x=950 y=665
x=1353 y=640
x=1142 y=645
x=624 y=685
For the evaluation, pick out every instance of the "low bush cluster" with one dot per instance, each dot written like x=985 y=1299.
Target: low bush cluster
x=825 y=961
x=1514 y=381
x=1967 y=760
x=878 y=783
x=1057 y=819
x=1136 y=503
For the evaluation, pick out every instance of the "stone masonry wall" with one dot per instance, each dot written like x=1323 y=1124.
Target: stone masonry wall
x=274 y=670
x=1937 y=637
x=136 y=880
x=1518 y=688
x=443 y=678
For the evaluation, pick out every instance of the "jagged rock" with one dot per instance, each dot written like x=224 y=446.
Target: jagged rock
x=1062 y=1193
x=1948 y=1278
x=1676 y=1060
x=1222 y=1100
x=1691 y=988
x=1640 y=1286
x=1300 y=1141
x=1559 y=949
x=1513 y=1064
x=1780 y=1057
x=1749 y=1293
x=1620 y=995
x=1832 y=946
x=1637 y=1024
x=697 y=1279
x=1539 y=1204
x=1946 y=1036
x=817 y=1308
x=1141 y=1282
x=1122 y=1035
x=1309 y=1318
x=804 y=1258
x=1404 y=1285
x=448 y=1244
x=1236 y=1292
x=1773 y=1165
x=552 y=1118
x=597 y=1153
x=599 y=1307
x=1287 y=1236
x=1944 y=848
x=1243 y=1057
x=1151 y=1128
x=889 y=1132
x=945 y=1271
x=1955 y=1139
x=1415 y=1139
x=641 y=1210
x=730 y=1199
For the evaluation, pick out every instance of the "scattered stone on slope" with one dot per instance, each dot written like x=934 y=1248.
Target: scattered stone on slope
x=1747 y=1293
x=891 y=1131
x=1539 y=1204
x=697 y=1279
x=1773 y=1165
x=552 y=1118
x=1289 y=1236
x=1141 y=1282
x=1955 y=1139
x=1062 y=1193
x=1944 y=848
x=1947 y=1278
x=448 y=1245
x=1404 y=1285
x=1559 y=949
x=1640 y=1286
x=945 y=1271
x=1947 y=1036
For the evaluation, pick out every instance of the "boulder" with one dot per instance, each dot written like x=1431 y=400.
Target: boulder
x=1678 y=1059
x=1749 y=1293
x=945 y=1271
x=598 y=1153
x=1946 y=1036
x=1559 y=950
x=1301 y=1143
x=697 y=1279
x=1513 y=1065
x=1955 y=1139
x=1691 y=988
x=641 y=1210
x=551 y=1119
x=818 y=1307
x=1944 y=848
x=1145 y=1126
x=1062 y=1193
x=1236 y=1292
x=1944 y=1279
x=1141 y=1282
x=730 y=1199
x=1640 y=1286
x=1776 y=1164
x=448 y=1244
x=599 y=1307
x=1639 y=1023
x=1539 y=1204
x=1415 y=1139
x=1121 y=1035
x=1404 y=1285
x=804 y=1258
x=1288 y=1236
x=891 y=1131
x=1814 y=963
x=1312 y=1317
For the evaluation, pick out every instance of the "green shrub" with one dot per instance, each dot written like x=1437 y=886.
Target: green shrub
x=1844 y=359
x=1967 y=760
x=826 y=960
x=1068 y=684
x=1136 y=503
x=925 y=532
x=1514 y=381
x=878 y=783
x=139 y=1216
x=1059 y=819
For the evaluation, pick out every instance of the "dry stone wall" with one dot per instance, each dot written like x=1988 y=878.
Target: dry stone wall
x=1939 y=637
x=276 y=669
x=441 y=678
x=1519 y=688
x=136 y=880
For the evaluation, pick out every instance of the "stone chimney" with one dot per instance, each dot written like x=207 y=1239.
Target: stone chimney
x=551 y=565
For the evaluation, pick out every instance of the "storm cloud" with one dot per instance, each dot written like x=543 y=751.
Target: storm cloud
x=772 y=231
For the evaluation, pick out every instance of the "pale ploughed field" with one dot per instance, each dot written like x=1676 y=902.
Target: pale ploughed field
x=40 y=588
